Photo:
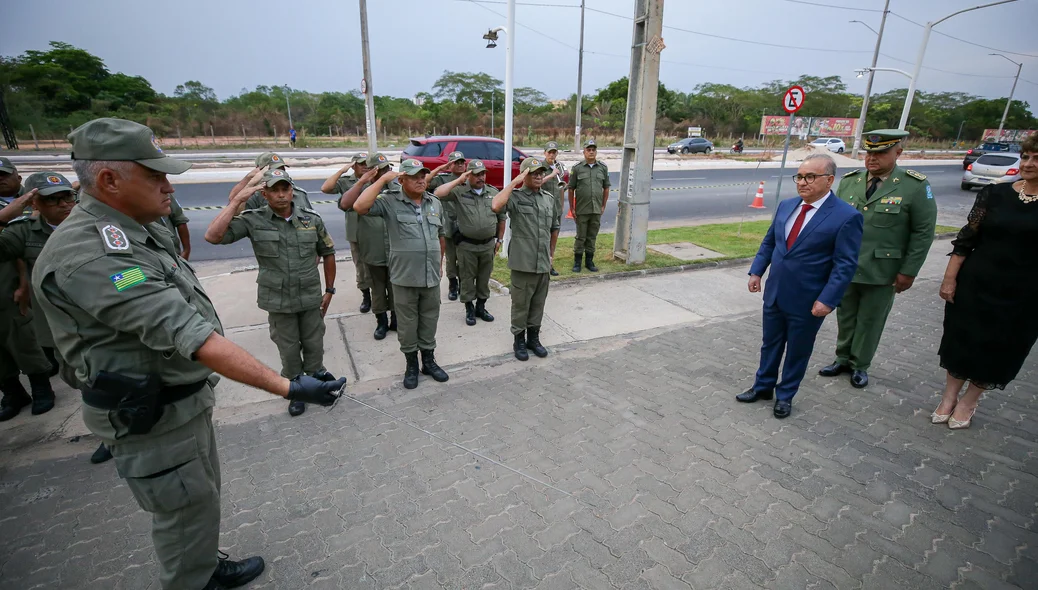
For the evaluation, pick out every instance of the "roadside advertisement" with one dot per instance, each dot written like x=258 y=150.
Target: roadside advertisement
x=1008 y=135
x=805 y=126
x=695 y=132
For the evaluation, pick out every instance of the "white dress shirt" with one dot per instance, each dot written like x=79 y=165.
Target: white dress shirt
x=807 y=218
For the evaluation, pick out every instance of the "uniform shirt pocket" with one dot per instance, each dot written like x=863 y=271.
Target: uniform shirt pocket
x=307 y=239
x=265 y=242
x=409 y=226
x=885 y=215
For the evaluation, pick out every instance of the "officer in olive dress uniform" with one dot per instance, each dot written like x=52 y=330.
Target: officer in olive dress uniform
x=414 y=225
x=287 y=241
x=533 y=213
x=900 y=217
x=272 y=161
x=338 y=184
x=478 y=236
x=136 y=325
x=588 y=195
x=373 y=247
x=554 y=182
x=455 y=167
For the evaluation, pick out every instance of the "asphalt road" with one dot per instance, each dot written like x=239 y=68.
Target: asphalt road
x=677 y=196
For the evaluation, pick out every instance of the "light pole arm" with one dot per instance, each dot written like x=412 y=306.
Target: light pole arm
x=902 y=72
x=937 y=22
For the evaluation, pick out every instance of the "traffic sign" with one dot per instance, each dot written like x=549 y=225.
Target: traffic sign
x=793 y=100
x=363 y=85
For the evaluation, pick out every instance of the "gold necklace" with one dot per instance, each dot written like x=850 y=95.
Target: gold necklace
x=1026 y=198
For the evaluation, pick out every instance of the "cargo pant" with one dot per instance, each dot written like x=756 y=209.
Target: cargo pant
x=475 y=263
x=19 y=349
x=175 y=476
x=300 y=341
x=587 y=232
x=529 y=292
x=451 y=254
x=382 y=299
x=861 y=317
x=363 y=277
x=417 y=313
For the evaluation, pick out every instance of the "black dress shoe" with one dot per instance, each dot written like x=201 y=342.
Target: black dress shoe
x=750 y=396
x=860 y=379
x=296 y=408
x=834 y=370
x=232 y=574
x=783 y=409
x=101 y=455
x=553 y=272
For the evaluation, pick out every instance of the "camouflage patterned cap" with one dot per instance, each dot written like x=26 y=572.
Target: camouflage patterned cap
x=48 y=183
x=454 y=157
x=272 y=177
x=271 y=160
x=533 y=165
x=477 y=167
x=412 y=167
x=122 y=141
x=7 y=166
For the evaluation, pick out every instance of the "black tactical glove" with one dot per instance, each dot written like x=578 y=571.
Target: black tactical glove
x=314 y=391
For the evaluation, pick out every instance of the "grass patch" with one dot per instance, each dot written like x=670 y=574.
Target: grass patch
x=947 y=229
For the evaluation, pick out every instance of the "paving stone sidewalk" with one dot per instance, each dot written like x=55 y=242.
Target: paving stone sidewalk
x=659 y=480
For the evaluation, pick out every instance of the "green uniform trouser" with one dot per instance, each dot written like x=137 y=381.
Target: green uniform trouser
x=381 y=289
x=529 y=292
x=176 y=477
x=19 y=350
x=475 y=264
x=861 y=317
x=451 y=254
x=417 y=313
x=298 y=334
x=587 y=233
x=363 y=278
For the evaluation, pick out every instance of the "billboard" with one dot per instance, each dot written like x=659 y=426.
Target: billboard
x=1008 y=135
x=804 y=126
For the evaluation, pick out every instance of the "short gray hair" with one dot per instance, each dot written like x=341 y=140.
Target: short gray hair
x=87 y=170
x=830 y=164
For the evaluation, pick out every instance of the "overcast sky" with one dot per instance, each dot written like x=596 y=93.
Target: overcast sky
x=315 y=44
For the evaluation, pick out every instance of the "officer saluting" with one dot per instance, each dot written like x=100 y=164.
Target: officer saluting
x=900 y=217
x=272 y=161
x=456 y=166
x=135 y=323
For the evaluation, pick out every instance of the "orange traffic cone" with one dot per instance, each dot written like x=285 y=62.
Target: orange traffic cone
x=758 y=200
x=569 y=214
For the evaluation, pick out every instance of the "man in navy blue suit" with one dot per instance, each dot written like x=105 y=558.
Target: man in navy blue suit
x=812 y=249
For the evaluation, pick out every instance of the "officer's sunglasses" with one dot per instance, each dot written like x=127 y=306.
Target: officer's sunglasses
x=810 y=178
x=58 y=198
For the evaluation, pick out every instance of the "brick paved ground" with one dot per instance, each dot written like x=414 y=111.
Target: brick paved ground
x=673 y=485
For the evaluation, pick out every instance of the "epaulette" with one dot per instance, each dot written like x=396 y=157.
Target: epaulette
x=310 y=211
x=113 y=237
x=19 y=220
x=256 y=210
x=852 y=172
x=916 y=175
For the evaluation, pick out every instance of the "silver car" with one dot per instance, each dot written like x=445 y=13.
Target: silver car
x=991 y=168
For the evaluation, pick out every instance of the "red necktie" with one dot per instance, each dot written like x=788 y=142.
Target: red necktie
x=797 y=225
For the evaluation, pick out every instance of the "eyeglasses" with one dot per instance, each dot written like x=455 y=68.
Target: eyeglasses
x=538 y=174
x=56 y=199
x=810 y=178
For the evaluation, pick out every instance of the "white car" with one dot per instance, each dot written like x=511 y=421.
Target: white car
x=834 y=144
x=990 y=169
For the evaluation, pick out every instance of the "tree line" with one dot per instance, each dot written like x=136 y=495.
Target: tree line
x=65 y=86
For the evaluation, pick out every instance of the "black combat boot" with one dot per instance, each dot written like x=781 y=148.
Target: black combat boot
x=382 y=326
x=533 y=341
x=101 y=455
x=519 y=346
x=392 y=321
x=589 y=261
x=430 y=368
x=296 y=408
x=470 y=313
x=411 y=372
x=481 y=311
x=452 y=289
x=15 y=398
x=576 y=261
x=365 y=304
x=232 y=574
x=554 y=272
x=42 y=393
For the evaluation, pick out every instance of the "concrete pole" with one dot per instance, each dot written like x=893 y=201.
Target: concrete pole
x=369 y=93
x=509 y=108
x=632 y=221
x=288 y=105
x=868 y=84
x=1019 y=67
x=580 y=80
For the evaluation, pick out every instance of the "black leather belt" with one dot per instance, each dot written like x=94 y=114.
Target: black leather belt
x=169 y=394
x=477 y=242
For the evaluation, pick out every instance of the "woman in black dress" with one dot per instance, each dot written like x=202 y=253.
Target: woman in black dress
x=990 y=320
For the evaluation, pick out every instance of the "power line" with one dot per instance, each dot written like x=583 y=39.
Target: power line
x=522 y=3
x=907 y=20
x=833 y=7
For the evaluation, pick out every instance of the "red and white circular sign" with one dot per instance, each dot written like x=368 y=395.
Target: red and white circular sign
x=793 y=100
x=363 y=85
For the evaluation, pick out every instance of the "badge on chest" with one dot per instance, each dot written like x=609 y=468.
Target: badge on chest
x=890 y=201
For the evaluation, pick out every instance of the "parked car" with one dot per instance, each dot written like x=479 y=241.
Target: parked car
x=834 y=144
x=433 y=151
x=989 y=147
x=991 y=168
x=691 y=145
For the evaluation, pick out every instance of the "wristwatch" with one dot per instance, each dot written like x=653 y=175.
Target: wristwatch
x=330 y=290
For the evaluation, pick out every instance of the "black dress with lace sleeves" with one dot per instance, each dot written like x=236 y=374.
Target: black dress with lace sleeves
x=990 y=328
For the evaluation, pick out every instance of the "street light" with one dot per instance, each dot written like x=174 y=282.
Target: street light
x=868 y=85
x=864 y=71
x=491 y=37
x=922 y=53
x=864 y=24
x=289 y=106
x=1019 y=67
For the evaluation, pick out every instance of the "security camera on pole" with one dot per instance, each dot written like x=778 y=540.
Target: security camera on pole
x=791 y=102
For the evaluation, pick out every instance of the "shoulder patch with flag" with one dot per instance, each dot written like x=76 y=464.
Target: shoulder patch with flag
x=128 y=278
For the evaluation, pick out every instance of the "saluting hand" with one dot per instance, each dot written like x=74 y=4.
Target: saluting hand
x=521 y=178
x=368 y=176
x=389 y=176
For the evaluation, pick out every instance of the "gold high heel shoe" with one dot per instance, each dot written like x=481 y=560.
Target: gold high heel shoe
x=936 y=418
x=954 y=424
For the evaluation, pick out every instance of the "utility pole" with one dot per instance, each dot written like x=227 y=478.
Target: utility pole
x=509 y=89
x=959 y=134
x=868 y=84
x=632 y=219
x=580 y=80
x=1019 y=67
x=289 y=106
x=366 y=86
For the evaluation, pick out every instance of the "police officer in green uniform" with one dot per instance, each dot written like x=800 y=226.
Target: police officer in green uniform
x=272 y=161
x=900 y=217
x=287 y=241
x=555 y=184
x=176 y=222
x=414 y=225
x=136 y=325
x=588 y=195
x=373 y=247
x=338 y=184
x=533 y=212
x=455 y=167
x=478 y=236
